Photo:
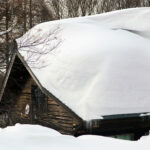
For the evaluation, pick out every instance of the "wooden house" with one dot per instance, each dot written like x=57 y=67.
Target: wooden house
x=24 y=100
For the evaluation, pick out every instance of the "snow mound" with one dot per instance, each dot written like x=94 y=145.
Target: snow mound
x=33 y=137
x=28 y=130
x=101 y=64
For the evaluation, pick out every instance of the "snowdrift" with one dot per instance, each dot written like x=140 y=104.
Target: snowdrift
x=34 y=137
x=99 y=65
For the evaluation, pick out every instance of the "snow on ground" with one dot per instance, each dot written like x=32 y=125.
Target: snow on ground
x=102 y=64
x=35 y=137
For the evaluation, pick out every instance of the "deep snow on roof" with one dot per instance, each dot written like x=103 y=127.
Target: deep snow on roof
x=101 y=65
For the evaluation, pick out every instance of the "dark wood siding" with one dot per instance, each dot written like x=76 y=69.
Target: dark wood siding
x=17 y=95
x=18 y=111
x=58 y=117
x=44 y=110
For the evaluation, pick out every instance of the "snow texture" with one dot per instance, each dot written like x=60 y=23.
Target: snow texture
x=34 y=137
x=102 y=64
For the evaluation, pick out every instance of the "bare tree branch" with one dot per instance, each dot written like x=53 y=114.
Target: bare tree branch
x=35 y=47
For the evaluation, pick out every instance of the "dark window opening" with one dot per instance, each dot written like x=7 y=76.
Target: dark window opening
x=39 y=100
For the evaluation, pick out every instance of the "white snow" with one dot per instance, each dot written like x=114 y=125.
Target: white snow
x=34 y=137
x=144 y=114
x=100 y=67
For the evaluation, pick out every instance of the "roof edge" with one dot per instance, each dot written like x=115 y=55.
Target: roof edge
x=12 y=58
x=15 y=53
x=45 y=90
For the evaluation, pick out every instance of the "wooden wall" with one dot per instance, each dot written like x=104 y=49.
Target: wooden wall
x=55 y=116
x=58 y=118
x=18 y=96
x=18 y=112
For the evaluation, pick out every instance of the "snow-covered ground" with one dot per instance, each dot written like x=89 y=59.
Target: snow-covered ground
x=102 y=64
x=35 y=137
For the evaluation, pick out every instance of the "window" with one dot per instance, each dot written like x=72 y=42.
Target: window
x=124 y=136
x=39 y=100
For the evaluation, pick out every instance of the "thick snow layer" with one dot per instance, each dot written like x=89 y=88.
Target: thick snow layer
x=33 y=137
x=101 y=64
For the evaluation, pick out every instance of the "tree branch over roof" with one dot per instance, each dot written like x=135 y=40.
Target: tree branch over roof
x=35 y=47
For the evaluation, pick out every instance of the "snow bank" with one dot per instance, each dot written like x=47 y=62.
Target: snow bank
x=101 y=65
x=33 y=137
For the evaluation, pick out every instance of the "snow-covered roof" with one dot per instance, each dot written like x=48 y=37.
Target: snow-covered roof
x=101 y=64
